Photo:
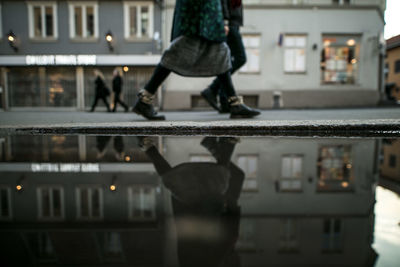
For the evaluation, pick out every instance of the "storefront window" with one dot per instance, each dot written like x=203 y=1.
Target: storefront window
x=42 y=87
x=340 y=59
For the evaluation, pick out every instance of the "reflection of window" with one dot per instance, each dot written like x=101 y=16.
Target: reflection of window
x=112 y=246
x=252 y=45
x=89 y=203
x=332 y=236
x=83 y=20
x=341 y=2
x=288 y=242
x=138 y=19
x=397 y=66
x=392 y=161
x=42 y=20
x=42 y=246
x=291 y=173
x=249 y=165
x=246 y=236
x=335 y=168
x=50 y=202
x=295 y=53
x=201 y=158
x=142 y=202
x=5 y=203
x=339 y=59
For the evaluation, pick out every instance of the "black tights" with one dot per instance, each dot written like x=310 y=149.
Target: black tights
x=161 y=73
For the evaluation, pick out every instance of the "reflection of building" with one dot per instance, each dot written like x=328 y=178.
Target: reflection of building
x=390 y=167
x=393 y=66
x=59 y=43
x=300 y=53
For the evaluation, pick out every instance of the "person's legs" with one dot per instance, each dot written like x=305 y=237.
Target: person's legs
x=158 y=77
x=104 y=98
x=116 y=96
x=117 y=99
x=161 y=165
x=96 y=98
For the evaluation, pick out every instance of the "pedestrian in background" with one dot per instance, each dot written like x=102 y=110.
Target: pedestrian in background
x=233 y=15
x=101 y=90
x=117 y=89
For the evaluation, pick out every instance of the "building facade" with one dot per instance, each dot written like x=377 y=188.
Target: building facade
x=49 y=49
x=392 y=66
x=300 y=53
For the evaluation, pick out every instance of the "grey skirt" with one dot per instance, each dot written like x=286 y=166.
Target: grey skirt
x=196 y=57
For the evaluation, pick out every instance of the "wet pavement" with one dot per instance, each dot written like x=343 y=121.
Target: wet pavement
x=114 y=200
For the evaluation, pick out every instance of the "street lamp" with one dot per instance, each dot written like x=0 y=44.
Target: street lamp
x=109 y=39
x=12 y=40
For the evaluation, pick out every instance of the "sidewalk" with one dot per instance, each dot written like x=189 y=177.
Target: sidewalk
x=328 y=121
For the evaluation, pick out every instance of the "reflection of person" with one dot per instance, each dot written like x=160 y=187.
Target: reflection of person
x=101 y=90
x=205 y=204
x=119 y=147
x=101 y=143
x=233 y=12
x=117 y=89
x=198 y=50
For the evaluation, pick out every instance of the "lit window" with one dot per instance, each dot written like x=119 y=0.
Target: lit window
x=249 y=165
x=291 y=173
x=201 y=158
x=42 y=20
x=89 y=203
x=252 y=46
x=5 y=203
x=83 y=19
x=288 y=242
x=50 y=203
x=295 y=53
x=340 y=59
x=142 y=202
x=138 y=19
x=332 y=236
x=334 y=168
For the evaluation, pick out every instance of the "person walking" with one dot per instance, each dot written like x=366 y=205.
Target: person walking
x=233 y=12
x=198 y=49
x=117 y=89
x=101 y=90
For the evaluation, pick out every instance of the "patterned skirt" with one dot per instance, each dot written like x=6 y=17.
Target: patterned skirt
x=197 y=57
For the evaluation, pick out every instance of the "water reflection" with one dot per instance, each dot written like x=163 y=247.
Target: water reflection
x=188 y=201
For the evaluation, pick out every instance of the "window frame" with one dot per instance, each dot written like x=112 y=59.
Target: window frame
x=39 y=203
x=127 y=5
x=286 y=48
x=42 y=5
x=78 y=200
x=71 y=16
x=291 y=178
x=130 y=205
x=244 y=70
x=10 y=215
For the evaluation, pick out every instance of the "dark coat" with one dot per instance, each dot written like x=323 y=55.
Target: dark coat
x=101 y=88
x=234 y=14
x=117 y=84
x=199 y=18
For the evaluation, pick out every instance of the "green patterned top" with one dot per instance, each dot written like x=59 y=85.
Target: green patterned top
x=201 y=18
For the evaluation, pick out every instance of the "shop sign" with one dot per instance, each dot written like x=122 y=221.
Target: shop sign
x=65 y=167
x=74 y=60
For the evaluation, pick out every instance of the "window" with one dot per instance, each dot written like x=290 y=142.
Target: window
x=386 y=70
x=50 y=203
x=246 y=239
x=332 y=236
x=291 y=173
x=42 y=20
x=1 y=29
x=288 y=242
x=252 y=46
x=201 y=158
x=89 y=203
x=334 y=168
x=42 y=246
x=295 y=53
x=392 y=161
x=83 y=20
x=249 y=165
x=138 y=20
x=111 y=245
x=5 y=203
x=397 y=66
x=142 y=202
x=340 y=59
x=341 y=2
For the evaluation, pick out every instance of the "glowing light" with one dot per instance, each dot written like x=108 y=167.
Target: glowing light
x=353 y=61
x=109 y=37
x=113 y=187
x=126 y=69
x=327 y=43
x=351 y=42
x=11 y=38
x=349 y=166
x=19 y=187
x=127 y=158
x=345 y=184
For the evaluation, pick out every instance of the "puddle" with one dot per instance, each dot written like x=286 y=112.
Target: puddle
x=199 y=201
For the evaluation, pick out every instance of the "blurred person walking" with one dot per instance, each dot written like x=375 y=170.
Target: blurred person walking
x=117 y=89
x=101 y=90
x=198 y=49
x=233 y=12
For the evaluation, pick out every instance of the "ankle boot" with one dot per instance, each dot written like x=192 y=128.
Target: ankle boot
x=144 y=106
x=239 y=110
